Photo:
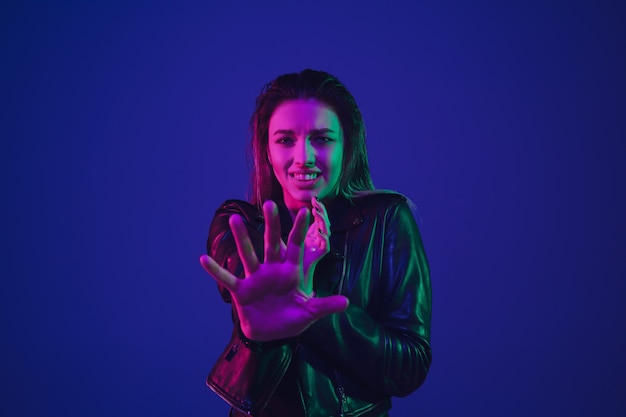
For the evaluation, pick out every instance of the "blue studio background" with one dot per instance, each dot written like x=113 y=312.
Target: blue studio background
x=124 y=125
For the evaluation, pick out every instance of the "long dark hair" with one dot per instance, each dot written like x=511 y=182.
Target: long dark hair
x=355 y=174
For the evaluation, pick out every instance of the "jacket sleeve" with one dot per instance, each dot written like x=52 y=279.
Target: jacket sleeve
x=221 y=243
x=389 y=349
x=247 y=373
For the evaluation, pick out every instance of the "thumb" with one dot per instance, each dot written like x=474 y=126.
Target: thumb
x=324 y=306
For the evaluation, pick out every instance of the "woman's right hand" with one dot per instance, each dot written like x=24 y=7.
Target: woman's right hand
x=270 y=302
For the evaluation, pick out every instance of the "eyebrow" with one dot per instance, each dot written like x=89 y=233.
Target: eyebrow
x=313 y=131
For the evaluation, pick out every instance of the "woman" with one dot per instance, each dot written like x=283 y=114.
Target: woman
x=327 y=276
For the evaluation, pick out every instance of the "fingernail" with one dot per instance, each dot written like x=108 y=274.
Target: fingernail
x=320 y=230
x=317 y=198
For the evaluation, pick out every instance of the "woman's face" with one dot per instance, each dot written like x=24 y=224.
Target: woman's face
x=305 y=150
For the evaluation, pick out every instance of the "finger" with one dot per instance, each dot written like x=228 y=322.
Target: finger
x=318 y=221
x=218 y=273
x=321 y=215
x=320 y=307
x=295 y=242
x=306 y=286
x=245 y=249
x=272 y=232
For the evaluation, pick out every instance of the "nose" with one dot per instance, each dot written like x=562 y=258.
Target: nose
x=304 y=153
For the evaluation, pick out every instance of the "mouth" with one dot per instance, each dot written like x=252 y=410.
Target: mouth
x=305 y=180
x=304 y=177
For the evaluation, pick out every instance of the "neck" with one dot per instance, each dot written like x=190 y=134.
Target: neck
x=294 y=206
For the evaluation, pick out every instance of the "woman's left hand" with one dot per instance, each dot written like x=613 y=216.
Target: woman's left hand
x=316 y=243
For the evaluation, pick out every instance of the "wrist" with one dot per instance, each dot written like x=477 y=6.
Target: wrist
x=261 y=346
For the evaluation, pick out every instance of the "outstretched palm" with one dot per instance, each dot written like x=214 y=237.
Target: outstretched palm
x=273 y=300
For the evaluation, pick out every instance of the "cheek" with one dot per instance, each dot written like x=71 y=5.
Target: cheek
x=336 y=162
x=272 y=157
x=276 y=162
x=275 y=169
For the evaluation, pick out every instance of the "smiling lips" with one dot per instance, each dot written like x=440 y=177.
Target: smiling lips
x=305 y=176
x=305 y=179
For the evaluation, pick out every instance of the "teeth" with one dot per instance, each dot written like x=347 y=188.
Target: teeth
x=305 y=177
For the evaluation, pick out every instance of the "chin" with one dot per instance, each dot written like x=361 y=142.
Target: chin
x=303 y=196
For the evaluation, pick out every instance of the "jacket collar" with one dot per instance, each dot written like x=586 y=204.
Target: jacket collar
x=343 y=214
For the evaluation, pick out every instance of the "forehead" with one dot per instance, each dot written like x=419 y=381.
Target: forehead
x=303 y=114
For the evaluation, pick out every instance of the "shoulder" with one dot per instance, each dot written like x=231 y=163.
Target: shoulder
x=237 y=205
x=395 y=213
x=245 y=209
x=381 y=201
x=219 y=231
x=393 y=209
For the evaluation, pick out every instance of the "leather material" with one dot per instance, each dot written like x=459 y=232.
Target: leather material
x=351 y=362
x=229 y=377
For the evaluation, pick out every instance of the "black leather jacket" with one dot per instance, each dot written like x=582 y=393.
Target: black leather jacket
x=346 y=364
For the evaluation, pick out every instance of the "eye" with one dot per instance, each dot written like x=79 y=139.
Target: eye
x=321 y=139
x=285 y=140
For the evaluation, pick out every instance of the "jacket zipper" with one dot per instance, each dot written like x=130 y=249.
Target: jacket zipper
x=342 y=395
x=344 y=265
x=340 y=390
